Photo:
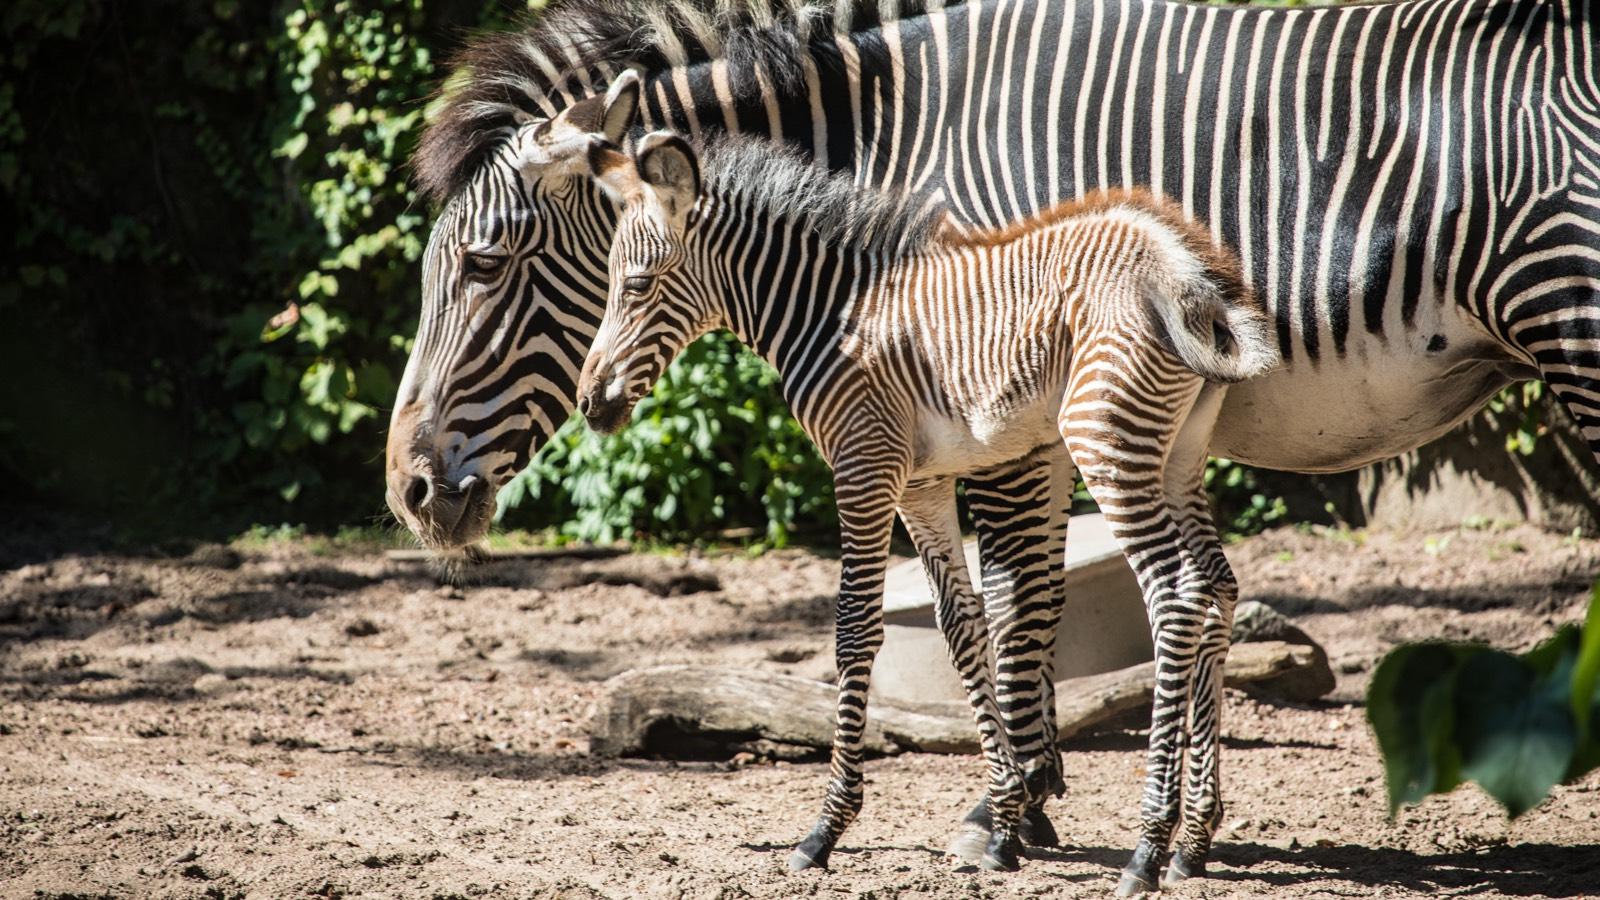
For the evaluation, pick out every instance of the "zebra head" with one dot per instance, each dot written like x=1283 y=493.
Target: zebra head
x=513 y=282
x=652 y=312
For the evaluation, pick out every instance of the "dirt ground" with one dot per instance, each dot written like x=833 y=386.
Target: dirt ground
x=286 y=719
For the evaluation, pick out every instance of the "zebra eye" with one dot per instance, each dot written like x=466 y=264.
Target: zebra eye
x=483 y=264
x=638 y=284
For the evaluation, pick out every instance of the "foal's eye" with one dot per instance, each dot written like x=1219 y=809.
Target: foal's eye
x=638 y=284
x=483 y=264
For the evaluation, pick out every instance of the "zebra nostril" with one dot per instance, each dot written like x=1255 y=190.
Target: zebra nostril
x=583 y=406
x=417 y=492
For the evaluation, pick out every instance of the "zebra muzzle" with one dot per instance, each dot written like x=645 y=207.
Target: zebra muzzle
x=606 y=407
x=606 y=416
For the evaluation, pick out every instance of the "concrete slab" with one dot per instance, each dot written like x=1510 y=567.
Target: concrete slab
x=1103 y=627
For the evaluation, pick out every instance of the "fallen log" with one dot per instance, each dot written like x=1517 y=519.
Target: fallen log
x=740 y=705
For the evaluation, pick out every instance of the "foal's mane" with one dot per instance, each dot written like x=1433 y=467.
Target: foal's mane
x=776 y=180
x=570 y=51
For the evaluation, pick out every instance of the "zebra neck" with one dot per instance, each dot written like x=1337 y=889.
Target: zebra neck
x=783 y=291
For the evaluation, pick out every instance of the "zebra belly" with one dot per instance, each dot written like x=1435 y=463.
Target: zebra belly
x=1379 y=399
x=985 y=438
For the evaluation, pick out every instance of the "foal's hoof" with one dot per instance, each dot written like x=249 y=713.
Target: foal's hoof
x=973 y=837
x=969 y=843
x=812 y=853
x=1002 y=854
x=1132 y=885
x=1036 y=830
x=1180 y=869
x=1139 y=875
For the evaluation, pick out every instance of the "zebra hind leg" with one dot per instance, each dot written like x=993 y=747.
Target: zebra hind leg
x=1127 y=481
x=1020 y=515
x=1202 y=802
x=928 y=510
x=866 y=501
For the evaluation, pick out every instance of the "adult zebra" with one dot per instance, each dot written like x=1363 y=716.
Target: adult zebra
x=1414 y=189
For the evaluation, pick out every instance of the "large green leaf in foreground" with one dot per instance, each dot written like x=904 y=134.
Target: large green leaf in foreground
x=1517 y=725
x=1514 y=727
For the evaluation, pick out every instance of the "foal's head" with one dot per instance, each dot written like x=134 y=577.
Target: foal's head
x=654 y=308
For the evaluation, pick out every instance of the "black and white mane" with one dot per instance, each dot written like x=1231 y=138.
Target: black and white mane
x=776 y=181
x=572 y=49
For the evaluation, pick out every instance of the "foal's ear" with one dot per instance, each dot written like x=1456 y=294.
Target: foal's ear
x=612 y=170
x=668 y=164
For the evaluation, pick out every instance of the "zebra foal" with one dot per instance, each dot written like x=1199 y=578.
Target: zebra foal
x=913 y=354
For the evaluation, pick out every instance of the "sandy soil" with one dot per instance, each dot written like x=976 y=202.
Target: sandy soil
x=278 y=720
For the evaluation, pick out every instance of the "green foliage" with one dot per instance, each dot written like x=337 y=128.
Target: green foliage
x=352 y=231
x=1518 y=411
x=181 y=174
x=1515 y=724
x=1243 y=506
x=712 y=446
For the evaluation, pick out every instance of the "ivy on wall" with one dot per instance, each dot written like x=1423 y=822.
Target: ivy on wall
x=213 y=208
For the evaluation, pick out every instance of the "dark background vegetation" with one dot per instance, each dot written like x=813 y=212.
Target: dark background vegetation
x=175 y=174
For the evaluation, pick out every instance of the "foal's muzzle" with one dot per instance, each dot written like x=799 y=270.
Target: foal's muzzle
x=607 y=416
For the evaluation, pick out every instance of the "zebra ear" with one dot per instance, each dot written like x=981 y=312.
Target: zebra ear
x=607 y=115
x=612 y=170
x=621 y=106
x=669 y=164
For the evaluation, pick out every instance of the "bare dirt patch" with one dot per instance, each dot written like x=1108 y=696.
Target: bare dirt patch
x=271 y=722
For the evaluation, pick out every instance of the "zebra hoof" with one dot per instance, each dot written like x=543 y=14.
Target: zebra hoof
x=1181 y=869
x=973 y=837
x=1002 y=854
x=1139 y=876
x=970 y=843
x=812 y=853
x=1132 y=885
x=1036 y=830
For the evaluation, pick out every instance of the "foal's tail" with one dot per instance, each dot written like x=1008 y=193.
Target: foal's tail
x=1216 y=335
x=1211 y=318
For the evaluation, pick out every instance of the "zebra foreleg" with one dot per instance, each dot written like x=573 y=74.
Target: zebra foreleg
x=866 y=502
x=929 y=513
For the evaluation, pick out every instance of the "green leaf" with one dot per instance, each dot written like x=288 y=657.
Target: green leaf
x=1411 y=709
x=293 y=147
x=317 y=381
x=1515 y=729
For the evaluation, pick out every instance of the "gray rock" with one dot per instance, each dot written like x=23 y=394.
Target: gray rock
x=1254 y=621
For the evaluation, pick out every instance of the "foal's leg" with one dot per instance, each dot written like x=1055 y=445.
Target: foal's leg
x=929 y=513
x=1119 y=426
x=1020 y=514
x=866 y=497
x=1063 y=483
x=1202 y=801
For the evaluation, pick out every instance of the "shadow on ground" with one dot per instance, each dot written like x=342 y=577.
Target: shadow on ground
x=1522 y=870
